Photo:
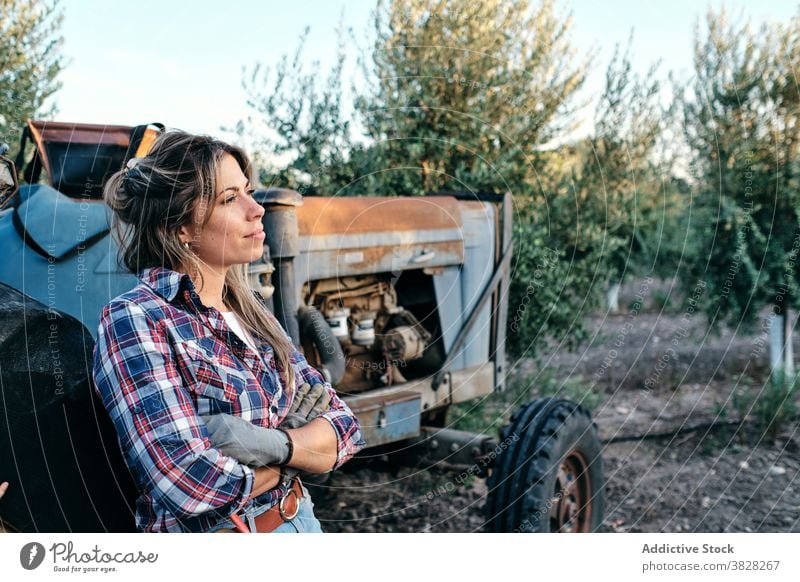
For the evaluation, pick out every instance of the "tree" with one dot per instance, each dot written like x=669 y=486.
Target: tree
x=623 y=175
x=472 y=97
x=298 y=130
x=741 y=120
x=30 y=62
x=466 y=93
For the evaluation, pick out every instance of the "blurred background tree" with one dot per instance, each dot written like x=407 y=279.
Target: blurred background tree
x=623 y=177
x=30 y=62
x=298 y=131
x=480 y=97
x=466 y=93
x=740 y=117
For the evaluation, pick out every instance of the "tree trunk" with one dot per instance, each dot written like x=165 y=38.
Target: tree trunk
x=612 y=297
x=781 y=351
x=788 y=351
x=776 y=332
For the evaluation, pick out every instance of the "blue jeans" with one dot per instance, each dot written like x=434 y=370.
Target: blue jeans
x=303 y=522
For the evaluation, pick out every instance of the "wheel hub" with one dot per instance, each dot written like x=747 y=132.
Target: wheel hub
x=571 y=504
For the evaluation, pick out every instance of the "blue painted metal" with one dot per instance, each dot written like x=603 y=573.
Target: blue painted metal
x=458 y=288
x=80 y=285
x=388 y=418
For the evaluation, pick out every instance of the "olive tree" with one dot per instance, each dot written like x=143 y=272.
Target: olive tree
x=30 y=62
x=623 y=175
x=741 y=120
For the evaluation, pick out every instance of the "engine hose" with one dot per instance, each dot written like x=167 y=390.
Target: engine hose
x=314 y=327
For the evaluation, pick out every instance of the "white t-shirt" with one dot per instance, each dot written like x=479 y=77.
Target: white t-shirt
x=233 y=323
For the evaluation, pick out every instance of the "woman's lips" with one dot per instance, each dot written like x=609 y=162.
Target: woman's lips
x=259 y=235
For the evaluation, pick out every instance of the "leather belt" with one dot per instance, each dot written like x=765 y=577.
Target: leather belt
x=285 y=510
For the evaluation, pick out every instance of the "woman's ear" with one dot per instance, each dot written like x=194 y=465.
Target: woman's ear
x=184 y=234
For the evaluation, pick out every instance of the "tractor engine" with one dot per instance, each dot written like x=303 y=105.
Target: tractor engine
x=378 y=337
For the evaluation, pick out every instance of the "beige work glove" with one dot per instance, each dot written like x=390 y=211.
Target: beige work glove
x=309 y=402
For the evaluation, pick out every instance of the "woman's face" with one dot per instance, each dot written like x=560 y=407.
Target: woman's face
x=233 y=234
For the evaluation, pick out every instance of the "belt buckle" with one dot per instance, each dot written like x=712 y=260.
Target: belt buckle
x=281 y=509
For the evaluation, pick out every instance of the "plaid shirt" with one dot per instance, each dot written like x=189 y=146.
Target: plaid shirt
x=161 y=359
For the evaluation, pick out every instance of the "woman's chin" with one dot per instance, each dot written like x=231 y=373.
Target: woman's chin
x=257 y=253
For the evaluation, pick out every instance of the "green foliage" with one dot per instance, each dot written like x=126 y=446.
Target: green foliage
x=471 y=96
x=572 y=388
x=741 y=118
x=604 y=206
x=486 y=415
x=466 y=93
x=489 y=413
x=30 y=52
x=306 y=142
x=622 y=176
x=662 y=300
x=772 y=406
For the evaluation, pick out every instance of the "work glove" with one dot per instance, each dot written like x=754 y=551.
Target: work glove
x=242 y=440
x=309 y=402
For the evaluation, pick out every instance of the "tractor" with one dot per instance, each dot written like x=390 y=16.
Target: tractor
x=401 y=302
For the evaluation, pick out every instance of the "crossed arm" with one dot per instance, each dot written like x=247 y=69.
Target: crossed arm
x=314 y=441
x=167 y=446
x=314 y=452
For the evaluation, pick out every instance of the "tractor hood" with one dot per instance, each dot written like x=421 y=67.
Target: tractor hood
x=57 y=223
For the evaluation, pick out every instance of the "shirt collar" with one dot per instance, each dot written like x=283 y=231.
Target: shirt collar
x=165 y=282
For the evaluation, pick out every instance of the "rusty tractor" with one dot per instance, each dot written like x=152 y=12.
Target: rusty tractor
x=401 y=303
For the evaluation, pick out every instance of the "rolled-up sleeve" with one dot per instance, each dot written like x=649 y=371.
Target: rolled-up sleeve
x=344 y=422
x=163 y=441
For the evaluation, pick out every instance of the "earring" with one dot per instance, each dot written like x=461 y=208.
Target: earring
x=186 y=245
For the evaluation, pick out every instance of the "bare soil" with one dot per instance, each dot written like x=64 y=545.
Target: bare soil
x=669 y=399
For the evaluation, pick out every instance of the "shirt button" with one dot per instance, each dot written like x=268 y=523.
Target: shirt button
x=273 y=408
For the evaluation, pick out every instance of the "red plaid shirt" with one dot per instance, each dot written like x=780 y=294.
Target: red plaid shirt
x=161 y=359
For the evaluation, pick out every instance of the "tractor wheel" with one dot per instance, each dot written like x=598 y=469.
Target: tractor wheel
x=548 y=475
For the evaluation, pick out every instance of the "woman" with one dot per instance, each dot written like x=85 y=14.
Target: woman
x=193 y=367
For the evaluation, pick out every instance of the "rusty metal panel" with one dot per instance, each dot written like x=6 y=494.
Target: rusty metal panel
x=458 y=386
x=81 y=132
x=429 y=398
x=387 y=418
x=344 y=262
x=323 y=215
x=345 y=240
x=472 y=383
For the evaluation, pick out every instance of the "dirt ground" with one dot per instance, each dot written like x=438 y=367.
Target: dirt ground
x=667 y=399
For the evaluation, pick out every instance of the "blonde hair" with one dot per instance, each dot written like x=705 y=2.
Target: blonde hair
x=175 y=184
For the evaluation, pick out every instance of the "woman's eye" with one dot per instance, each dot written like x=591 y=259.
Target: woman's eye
x=230 y=199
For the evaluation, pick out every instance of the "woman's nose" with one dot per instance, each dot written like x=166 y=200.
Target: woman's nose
x=255 y=210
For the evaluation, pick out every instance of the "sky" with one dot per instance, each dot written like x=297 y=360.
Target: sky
x=181 y=63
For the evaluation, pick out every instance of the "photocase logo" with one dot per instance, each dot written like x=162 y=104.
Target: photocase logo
x=31 y=555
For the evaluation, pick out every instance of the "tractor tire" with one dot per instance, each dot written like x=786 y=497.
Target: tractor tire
x=58 y=446
x=548 y=475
